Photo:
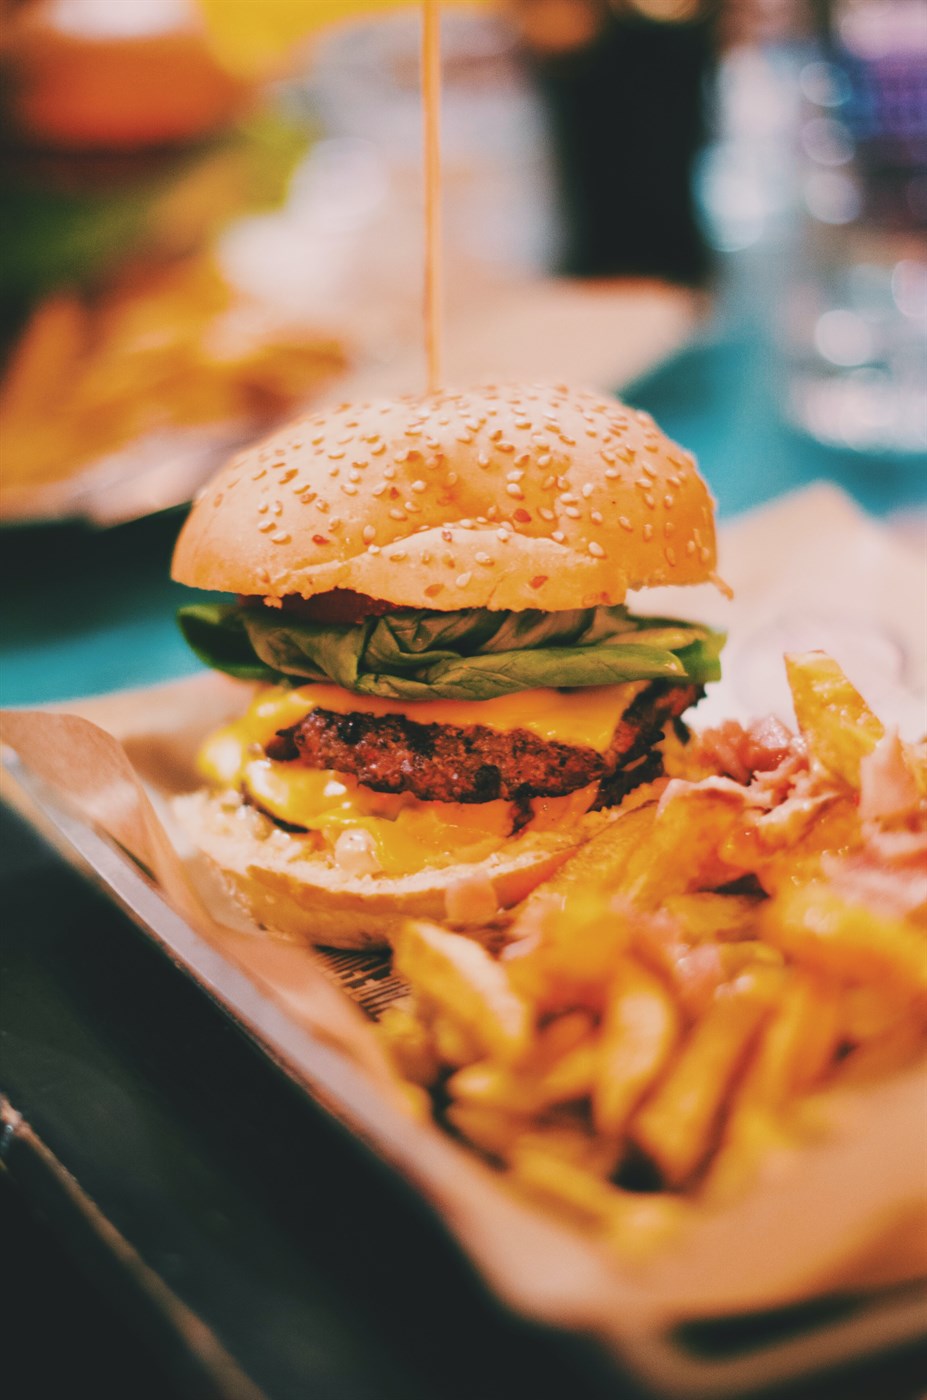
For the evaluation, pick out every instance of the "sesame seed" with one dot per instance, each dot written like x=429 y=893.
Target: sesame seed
x=572 y=512
x=588 y=489
x=397 y=514
x=546 y=514
x=596 y=549
x=463 y=437
x=670 y=553
x=373 y=549
x=318 y=440
x=354 y=475
x=389 y=473
x=503 y=535
x=451 y=479
x=463 y=579
x=397 y=556
x=378 y=449
x=648 y=531
x=277 y=508
x=558 y=535
x=335 y=456
x=378 y=490
x=369 y=533
x=261 y=471
x=650 y=501
x=612 y=474
x=668 y=528
x=348 y=489
x=322 y=506
x=668 y=500
x=359 y=462
x=419 y=486
x=704 y=554
x=513 y=489
x=267 y=526
x=426 y=556
x=262 y=508
x=674 y=481
x=482 y=558
x=596 y=516
x=281 y=537
x=608 y=457
x=544 y=460
x=514 y=475
x=690 y=546
x=506 y=446
x=483 y=459
x=625 y=524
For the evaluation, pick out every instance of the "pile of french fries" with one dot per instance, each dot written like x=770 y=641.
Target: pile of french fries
x=165 y=348
x=673 y=1003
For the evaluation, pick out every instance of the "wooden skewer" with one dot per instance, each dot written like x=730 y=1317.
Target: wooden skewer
x=431 y=108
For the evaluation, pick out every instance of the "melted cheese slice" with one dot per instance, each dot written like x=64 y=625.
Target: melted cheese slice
x=407 y=834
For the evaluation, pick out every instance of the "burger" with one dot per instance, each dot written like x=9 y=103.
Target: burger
x=449 y=692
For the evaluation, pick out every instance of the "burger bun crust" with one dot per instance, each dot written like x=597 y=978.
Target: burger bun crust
x=511 y=497
x=299 y=891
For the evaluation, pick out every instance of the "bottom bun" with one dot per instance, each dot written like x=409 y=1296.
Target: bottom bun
x=293 y=888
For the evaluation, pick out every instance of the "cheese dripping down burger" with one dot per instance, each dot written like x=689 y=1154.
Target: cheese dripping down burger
x=451 y=693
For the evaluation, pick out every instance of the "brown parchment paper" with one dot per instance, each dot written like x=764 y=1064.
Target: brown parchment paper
x=844 y=1212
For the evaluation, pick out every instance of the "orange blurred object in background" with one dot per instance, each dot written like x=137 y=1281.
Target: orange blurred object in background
x=93 y=75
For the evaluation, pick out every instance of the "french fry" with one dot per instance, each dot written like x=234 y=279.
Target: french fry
x=602 y=862
x=569 y=958
x=635 y=1224
x=569 y=1078
x=684 y=850
x=411 y=1044
x=675 y=1127
x=711 y=917
x=472 y=988
x=832 y=715
x=796 y=1047
x=639 y=1030
x=814 y=926
x=492 y=1130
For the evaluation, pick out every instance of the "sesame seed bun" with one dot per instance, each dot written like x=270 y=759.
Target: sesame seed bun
x=286 y=884
x=509 y=497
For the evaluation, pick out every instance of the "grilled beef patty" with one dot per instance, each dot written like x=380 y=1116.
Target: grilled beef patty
x=446 y=763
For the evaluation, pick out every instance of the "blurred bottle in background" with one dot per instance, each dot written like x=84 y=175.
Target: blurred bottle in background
x=623 y=84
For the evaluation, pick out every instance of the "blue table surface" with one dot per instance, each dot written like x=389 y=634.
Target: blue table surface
x=88 y=612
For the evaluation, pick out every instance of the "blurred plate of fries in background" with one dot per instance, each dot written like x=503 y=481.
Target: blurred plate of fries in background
x=118 y=404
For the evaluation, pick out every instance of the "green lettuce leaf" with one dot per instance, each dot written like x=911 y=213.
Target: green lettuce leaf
x=472 y=654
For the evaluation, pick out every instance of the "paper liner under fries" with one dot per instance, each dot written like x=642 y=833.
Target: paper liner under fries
x=844 y=1211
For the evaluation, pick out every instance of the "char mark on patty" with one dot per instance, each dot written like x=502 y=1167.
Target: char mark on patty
x=447 y=763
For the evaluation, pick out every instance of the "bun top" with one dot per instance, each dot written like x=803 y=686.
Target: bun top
x=512 y=497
